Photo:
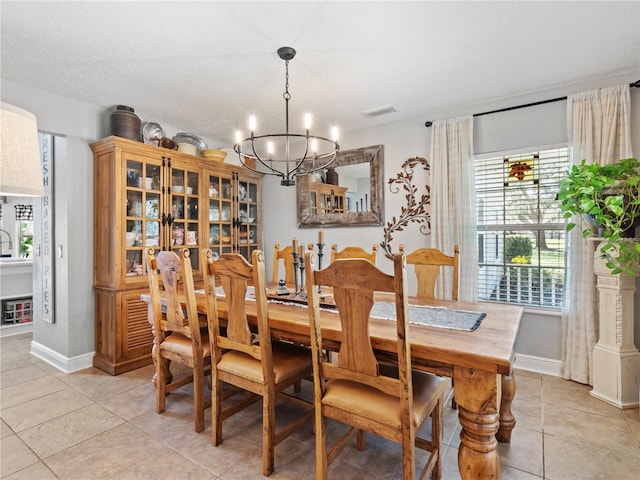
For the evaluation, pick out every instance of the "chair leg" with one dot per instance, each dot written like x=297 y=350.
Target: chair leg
x=268 y=433
x=436 y=439
x=161 y=384
x=454 y=404
x=198 y=397
x=321 y=445
x=360 y=440
x=216 y=412
x=408 y=455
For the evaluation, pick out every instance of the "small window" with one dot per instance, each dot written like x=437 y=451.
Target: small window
x=521 y=229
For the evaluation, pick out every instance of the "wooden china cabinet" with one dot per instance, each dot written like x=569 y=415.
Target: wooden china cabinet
x=326 y=198
x=147 y=196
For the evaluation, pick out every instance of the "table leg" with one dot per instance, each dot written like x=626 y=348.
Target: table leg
x=507 y=420
x=477 y=398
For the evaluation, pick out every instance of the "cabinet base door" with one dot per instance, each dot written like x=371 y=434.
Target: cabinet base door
x=123 y=333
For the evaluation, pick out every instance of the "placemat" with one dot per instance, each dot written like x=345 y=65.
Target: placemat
x=432 y=316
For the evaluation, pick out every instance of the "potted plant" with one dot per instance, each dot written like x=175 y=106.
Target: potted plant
x=608 y=197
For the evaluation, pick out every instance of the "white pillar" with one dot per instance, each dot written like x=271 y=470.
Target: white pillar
x=616 y=360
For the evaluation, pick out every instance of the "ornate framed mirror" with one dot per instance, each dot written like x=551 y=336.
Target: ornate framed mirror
x=354 y=196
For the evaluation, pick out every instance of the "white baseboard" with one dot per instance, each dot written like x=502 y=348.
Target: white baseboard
x=16 y=329
x=546 y=366
x=62 y=363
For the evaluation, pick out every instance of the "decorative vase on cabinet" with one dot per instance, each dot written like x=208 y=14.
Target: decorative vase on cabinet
x=150 y=197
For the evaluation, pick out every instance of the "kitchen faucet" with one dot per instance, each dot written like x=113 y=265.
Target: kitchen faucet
x=9 y=242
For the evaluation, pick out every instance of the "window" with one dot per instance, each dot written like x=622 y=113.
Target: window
x=521 y=230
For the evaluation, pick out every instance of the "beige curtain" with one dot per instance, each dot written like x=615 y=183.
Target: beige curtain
x=598 y=123
x=453 y=206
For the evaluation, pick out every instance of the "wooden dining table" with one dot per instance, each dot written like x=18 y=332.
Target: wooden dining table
x=480 y=363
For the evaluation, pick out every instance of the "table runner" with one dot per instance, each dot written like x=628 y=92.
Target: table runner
x=432 y=316
x=422 y=315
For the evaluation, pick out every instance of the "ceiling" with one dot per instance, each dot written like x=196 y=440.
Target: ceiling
x=205 y=66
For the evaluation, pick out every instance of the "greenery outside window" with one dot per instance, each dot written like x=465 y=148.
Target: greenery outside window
x=521 y=229
x=26 y=238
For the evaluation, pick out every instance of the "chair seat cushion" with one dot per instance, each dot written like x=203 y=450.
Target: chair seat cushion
x=289 y=361
x=369 y=402
x=181 y=345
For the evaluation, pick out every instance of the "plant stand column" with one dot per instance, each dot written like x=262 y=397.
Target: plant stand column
x=616 y=360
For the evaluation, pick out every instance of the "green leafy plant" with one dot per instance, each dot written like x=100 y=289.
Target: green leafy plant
x=608 y=195
x=517 y=247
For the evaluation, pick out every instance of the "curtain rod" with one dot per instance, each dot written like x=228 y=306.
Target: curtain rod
x=542 y=102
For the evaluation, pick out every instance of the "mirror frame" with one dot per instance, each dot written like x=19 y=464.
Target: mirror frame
x=374 y=156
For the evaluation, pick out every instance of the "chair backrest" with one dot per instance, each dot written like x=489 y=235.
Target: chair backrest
x=172 y=269
x=354 y=283
x=286 y=254
x=428 y=263
x=354 y=252
x=233 y=273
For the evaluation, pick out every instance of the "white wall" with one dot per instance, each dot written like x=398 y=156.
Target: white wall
x=84 y=123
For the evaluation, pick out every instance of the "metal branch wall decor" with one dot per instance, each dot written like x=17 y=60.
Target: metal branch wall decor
x=415 y=211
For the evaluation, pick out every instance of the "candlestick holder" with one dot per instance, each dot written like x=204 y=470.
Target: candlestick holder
x=295 y=271
x=302 y=295
x=320 y=254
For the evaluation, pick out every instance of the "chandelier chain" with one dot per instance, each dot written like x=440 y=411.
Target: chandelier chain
x=286 y=95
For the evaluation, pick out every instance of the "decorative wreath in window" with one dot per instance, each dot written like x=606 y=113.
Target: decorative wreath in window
x=415 y=211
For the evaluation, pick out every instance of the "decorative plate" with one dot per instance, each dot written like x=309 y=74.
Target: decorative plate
x=183 y=137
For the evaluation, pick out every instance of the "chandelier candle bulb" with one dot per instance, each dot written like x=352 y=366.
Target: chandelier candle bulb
x=252 y=124
x=334 y=134
x=307 y=122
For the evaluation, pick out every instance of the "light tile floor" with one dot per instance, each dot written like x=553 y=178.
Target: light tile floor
x=90 y=425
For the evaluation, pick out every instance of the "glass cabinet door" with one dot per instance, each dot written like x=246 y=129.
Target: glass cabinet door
x=248 y=216
x=220 y=218
x=184 y=221
x=142 y=212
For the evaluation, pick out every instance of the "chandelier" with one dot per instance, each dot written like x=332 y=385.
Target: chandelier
x=286 y=155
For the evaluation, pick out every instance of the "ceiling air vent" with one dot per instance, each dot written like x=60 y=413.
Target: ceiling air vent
x=377 y=111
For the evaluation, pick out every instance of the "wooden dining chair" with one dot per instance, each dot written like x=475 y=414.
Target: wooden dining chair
x=428 y=264
x=177 y=338
x=286 y=255
x=390 y=401
x=247 y=358
x=354 y=252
